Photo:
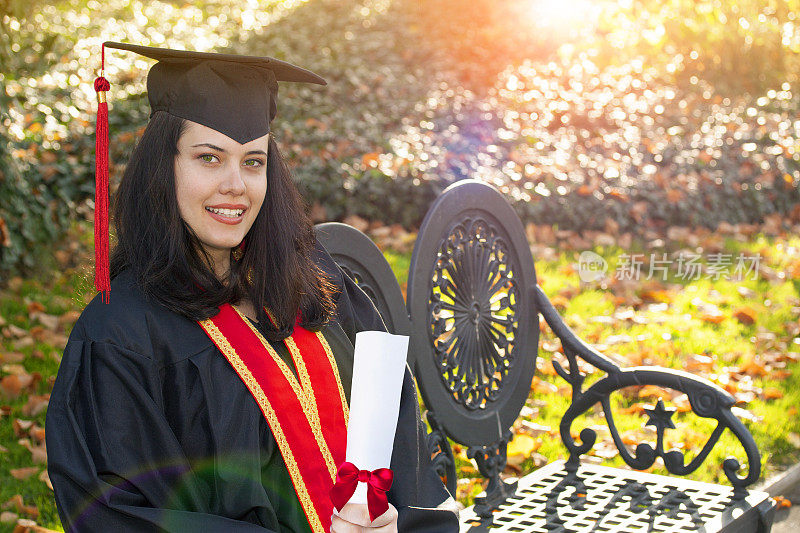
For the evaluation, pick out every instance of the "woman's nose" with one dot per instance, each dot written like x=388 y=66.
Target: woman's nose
x=233 y=182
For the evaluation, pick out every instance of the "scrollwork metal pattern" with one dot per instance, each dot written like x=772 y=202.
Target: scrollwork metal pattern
x=491 y=461
x=473 y=312
x=706 y=399
x=442 y=458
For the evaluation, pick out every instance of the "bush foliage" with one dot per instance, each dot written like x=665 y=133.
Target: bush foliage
x=648 y=114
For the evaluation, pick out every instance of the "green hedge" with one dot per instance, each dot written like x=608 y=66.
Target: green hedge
x=416 y=100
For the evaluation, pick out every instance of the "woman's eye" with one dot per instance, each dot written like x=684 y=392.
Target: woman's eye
x=208 y=158
x=253 y=163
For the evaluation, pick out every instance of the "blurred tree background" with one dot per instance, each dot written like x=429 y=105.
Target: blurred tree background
x=675 y=121
x=629 y=115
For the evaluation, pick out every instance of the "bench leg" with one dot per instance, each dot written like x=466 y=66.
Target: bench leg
x=491 y=461
x=766 y=515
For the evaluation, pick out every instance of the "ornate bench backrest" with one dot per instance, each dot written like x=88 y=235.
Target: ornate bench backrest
x=364 y=263
x=474 y=321
x=474 y=324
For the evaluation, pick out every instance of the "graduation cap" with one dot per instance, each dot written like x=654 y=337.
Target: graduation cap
x=232 y=94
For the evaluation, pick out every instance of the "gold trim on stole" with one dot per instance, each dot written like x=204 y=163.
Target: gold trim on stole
x=305 y=393
x=263 y=402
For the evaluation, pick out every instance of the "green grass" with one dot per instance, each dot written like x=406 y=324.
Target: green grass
x=58 y=293
x=665 y=335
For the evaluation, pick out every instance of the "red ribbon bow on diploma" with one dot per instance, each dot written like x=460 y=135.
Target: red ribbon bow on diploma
x=378 y=482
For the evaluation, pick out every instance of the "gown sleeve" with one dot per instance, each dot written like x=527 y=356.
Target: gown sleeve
x=113 y=459
x=423 y=503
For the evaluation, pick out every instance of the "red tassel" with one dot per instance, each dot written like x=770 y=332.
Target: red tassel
x=102 y=278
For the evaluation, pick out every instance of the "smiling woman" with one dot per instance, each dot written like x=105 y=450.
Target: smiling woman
x=220 y=185
x=211 y=393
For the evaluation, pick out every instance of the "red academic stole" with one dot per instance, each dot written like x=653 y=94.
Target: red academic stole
x=307 y=417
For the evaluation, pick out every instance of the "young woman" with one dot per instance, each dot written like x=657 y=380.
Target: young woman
x=210 y=393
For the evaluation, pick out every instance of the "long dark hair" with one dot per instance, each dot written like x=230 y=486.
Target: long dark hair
x=172 y=267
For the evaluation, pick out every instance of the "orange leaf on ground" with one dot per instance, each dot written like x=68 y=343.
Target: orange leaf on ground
x=772 y=393
x=34 y=307
x=682 y=404
x=70 y=317
x=21 y=427
x=630 y=440
x=635 y=409
x=559 y=302
x=746 y=315
x=656 y=296
x=699 y=363
x=794 y=269
x=605 y=449
x=752 y=366
x=654 y=391
x=552 y=346
x=712 y=318
x=635 y=358
x=37 y=433
x=542 y=387
x=12 y=357
x=730 y=387
x=29 y=526
x=16 y=502
x=35 y=405
x=568 y=270
x=38 y=453
x=545 y=367
x=37 y=332
x=11 y=386
x=44 y=477
x=23 y=473
x=782 y=502
x=466 y=486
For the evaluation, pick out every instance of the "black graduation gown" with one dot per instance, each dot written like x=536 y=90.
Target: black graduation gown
x=149 y=428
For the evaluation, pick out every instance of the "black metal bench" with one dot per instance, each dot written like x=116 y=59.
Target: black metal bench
x=472 y=313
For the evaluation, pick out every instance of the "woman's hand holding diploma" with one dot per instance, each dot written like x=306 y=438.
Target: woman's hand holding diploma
x=378 y=370
x=354 y=518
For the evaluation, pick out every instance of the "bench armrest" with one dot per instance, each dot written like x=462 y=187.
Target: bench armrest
x=706 y=399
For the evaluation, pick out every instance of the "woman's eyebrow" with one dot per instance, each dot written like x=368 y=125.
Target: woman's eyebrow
x=217 y=148
x=209 y=145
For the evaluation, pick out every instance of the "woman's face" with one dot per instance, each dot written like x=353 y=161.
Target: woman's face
x=215 y=173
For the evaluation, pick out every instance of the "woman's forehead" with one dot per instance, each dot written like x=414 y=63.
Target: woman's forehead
x=195 y=133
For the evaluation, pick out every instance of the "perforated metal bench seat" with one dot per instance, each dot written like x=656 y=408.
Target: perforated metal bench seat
x=621 y=501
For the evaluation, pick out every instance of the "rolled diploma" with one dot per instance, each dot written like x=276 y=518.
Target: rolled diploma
x=378 y=369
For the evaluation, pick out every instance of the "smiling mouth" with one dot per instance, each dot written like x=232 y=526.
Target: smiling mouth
x=227 y=213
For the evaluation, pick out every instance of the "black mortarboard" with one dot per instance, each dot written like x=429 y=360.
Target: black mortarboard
x=235 y=95
x=232 y=94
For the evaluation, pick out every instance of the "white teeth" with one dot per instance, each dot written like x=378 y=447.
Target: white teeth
x=232 y=213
